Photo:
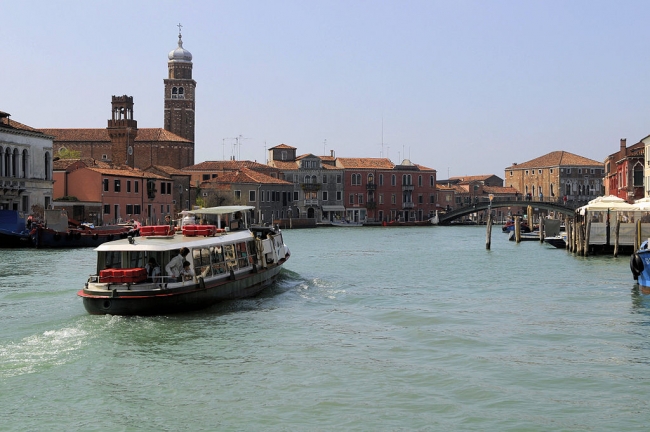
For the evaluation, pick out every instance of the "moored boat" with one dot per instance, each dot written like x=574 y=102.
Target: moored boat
x=223 y=264
x=58 y=232
x=640 y=267
x=13 y=230
x=558 y=241
x=345 y=223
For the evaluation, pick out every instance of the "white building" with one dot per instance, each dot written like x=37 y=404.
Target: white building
x=25 y=166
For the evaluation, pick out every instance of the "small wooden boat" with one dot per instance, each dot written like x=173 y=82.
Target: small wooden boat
x=58 y=232
x=346 y=223
x=223 y=264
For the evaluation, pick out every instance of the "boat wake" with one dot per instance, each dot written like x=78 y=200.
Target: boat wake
x=42 y=351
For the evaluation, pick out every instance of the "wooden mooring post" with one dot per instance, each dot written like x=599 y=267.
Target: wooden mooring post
x=567 y=228
x=617 y=231
x=488 y=234
x=541 y=229
x=587 y=234
x=517 y=229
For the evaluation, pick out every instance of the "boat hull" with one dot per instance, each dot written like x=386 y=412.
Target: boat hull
x=44 y=238
x=9 y=239
x=190 y=297
x=640 y=266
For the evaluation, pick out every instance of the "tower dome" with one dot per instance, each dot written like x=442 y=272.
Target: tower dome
x=180 y=54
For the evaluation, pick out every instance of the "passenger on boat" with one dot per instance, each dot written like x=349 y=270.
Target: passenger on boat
x=187 y=273
x=153 y=270
x=175 y=265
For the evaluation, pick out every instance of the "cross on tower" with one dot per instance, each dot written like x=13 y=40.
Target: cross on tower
x=179 y=28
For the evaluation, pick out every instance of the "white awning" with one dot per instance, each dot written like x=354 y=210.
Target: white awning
x=333 y=208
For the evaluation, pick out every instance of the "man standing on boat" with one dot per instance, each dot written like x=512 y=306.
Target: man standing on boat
x=175 y=265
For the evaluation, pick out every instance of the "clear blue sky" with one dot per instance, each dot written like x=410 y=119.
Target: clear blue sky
x=464 y=87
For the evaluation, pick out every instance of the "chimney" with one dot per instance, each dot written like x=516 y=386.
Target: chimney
x=332 y=153
x=623 y=143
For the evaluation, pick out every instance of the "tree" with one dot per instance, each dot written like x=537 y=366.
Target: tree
x=65 y=153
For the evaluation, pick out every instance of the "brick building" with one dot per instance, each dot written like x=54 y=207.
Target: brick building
x=555 y=175
x=624 y=172
x=122 y=143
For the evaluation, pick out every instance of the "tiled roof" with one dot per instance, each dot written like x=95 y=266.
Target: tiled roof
x=63 y=164
x=284 y=165
x=423 y=168
x=8 y=123
x=227 y=165
x=365 y=163
x=168 y=170
x=282 y=146
x=101 y=135
x=128 y=172
x=246 y=175
x=556 y=158
x=472 y=178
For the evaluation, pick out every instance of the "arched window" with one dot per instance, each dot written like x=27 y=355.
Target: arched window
x=48 y=166
x=15 y=168
x=307 y=179
x=174 y=91
x=313 y=179
x=25 y=163
x=181 y=91
x=2 y=165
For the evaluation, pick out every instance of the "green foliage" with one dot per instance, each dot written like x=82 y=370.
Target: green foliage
x=65 y=153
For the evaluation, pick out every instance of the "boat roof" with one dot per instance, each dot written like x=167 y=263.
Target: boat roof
x=221 y=210
x=164 y=243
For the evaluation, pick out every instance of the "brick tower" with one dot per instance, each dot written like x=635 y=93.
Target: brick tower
x=179 y=92
x=122 y=129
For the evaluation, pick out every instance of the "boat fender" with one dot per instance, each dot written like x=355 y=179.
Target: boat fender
x=201 y=282
x=57 y=237
x=636 y=265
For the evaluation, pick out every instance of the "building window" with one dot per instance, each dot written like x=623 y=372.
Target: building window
x=393 y=199
x=592 y=171
x=136 y=186
x=432 y=199
x=381 y=179
x=107 y=209
x=237 y=194
x=128 y=188
x=393 y=180
x=432 y=181
x=251 y=196
x=511 y=173
x=129 y=209
x=105 y=181
x=324 y=178
x=568 y=170
x=206 y=177
x=338 y=178
x=360 y=198
x=526 y=172
x=295 y=196
x=137 y=210
x=104 y=157
x=539 y=171
x=339 y=195
x=381 y=198
x=579 y=170
x=324 y=195
x=551 y=170
x=117 y=186
x=420 y=199
x=420 y=181
x=351 y=198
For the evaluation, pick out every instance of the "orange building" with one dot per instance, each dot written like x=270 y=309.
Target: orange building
x=97 y=193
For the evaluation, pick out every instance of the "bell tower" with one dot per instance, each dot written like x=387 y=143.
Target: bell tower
x=122 y=129
x=179 y=92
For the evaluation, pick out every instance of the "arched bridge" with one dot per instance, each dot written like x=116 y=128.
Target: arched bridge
x=561 y=207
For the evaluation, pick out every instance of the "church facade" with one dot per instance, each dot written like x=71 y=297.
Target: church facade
x=122 y=143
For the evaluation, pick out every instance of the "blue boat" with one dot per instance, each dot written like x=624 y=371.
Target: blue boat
x=640 y=266
x=13 y=230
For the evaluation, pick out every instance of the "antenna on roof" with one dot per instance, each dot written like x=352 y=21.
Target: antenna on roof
x=324 y=144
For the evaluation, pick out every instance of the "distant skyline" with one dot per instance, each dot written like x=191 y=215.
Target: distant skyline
x=464 y=87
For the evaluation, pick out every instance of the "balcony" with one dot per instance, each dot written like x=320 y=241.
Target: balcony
x=311 y=202
x=371 y=186
x=310 y=187
x=407 y=187
x=408 y=205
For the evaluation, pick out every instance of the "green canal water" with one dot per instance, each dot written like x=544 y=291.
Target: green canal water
x=367 y=329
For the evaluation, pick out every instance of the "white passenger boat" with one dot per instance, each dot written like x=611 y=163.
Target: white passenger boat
x=224 y=263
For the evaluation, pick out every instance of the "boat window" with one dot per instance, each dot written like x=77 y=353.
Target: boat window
x=202 y=262
x=113 y=259
x=216 y=258
x=242 y=255
x=136 y=259
x=229 y=253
